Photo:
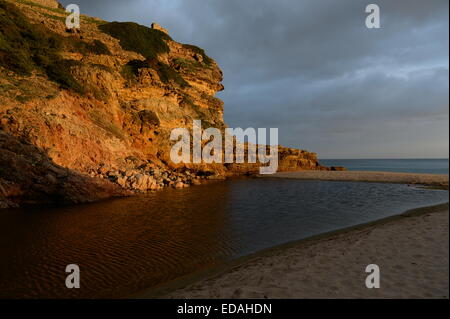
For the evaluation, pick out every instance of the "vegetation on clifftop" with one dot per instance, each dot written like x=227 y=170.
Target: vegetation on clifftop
x=26 y=47
x=206 y=59
x=147 y=42
x=138 y=38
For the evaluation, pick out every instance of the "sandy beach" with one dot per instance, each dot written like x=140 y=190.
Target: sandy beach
x=363 y=176
x=412 y=252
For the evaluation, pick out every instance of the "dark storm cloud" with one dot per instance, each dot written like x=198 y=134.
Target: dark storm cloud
x=314 y=70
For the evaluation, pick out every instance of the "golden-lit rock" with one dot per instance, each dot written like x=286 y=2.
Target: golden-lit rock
x=101 y=107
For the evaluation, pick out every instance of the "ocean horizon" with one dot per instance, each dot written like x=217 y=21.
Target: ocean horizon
x=423 y=166
x=224 y=158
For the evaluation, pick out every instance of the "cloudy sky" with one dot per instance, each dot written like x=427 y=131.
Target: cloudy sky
x=313 y=69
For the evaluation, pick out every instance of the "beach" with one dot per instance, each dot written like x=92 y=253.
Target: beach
x=411 y=250
x=137 y=149
x=365 y=176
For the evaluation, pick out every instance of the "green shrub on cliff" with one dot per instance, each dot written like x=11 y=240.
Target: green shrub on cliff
x=18 y=40
x=148 y=42
x=25 y=47
x=107 y=124
x=186 y=65
x=165 y=72
x=131 y=69
x=206 y=59
x=96 y=47
x=138 y=38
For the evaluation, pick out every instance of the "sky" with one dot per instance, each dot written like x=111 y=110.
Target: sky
x=314 y=70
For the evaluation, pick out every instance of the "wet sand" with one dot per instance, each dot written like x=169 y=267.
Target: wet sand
x=362 y=176
x=412 y=251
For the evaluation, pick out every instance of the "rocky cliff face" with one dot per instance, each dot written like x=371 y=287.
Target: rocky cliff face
x=98 y=104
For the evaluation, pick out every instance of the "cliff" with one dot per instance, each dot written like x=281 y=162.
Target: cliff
x=96 y=106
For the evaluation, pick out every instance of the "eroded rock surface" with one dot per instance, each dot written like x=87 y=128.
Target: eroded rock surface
x=100 y=105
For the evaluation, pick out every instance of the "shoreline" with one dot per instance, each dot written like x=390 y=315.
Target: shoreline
x=170 y=289
x=436 y=180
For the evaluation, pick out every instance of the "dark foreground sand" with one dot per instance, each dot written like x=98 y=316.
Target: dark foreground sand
x=412 y=252
x=355 y=176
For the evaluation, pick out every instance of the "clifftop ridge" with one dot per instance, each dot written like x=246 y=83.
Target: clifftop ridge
x=101 y=103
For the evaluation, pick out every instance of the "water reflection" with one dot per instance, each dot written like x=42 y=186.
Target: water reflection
x=126 y=245
x=121 y=245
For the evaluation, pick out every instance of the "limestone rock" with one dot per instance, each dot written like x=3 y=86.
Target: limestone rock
x=198 y=57
x=156 y=26
x=58 y=145
x=25 y=178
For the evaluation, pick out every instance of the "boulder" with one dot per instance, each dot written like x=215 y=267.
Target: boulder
x=179 y=185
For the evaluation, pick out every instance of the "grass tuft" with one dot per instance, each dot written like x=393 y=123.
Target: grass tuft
x=26 y=47
x=147 y=42
x=134 y=37
x=206 y=59
x=99 y=119
x=96 y=47
x=165 y=72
